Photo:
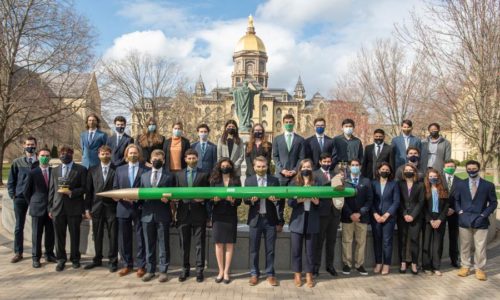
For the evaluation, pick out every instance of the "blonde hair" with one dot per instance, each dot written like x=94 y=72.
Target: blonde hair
x=125 y=153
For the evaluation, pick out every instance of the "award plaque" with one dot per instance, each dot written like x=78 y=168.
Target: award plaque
x=63 y=185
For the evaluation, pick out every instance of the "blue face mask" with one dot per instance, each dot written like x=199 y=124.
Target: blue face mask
x=120 y=129
x=473 y=174
x=433 y=180
x=152 y=128
x=355 y=170
x=320 y=130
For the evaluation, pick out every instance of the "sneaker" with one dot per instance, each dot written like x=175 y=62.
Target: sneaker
x=480 y=275
x=346 y=270
x=362 y=270
x=463 y=272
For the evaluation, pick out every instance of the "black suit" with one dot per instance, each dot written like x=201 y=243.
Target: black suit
x=313 y=149
x=263 y=225
x=67 y=211
x=452 y=220
x=410 y=204
x=329 y=220
x=433 y=238
x=118 y=148
x=103 y=211
x=156 y=218
x=36 y=193
x=371 y=160
x=185 y=145
x=192 y=221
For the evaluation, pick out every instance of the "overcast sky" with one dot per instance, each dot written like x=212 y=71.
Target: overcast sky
x=316 y=39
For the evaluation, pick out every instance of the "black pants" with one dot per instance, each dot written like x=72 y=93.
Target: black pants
x=453 y=237
x=297 y=241
x=198 y=234
x=327 y=232
x=38 y=226
x=20 y=210
x=61 y=224
x=433 y=246
x=105 y=220
x=409 y=231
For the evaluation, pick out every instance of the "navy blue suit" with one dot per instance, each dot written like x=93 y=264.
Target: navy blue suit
x=361 y=203
x=313 y=149
x=36 y=194
x=207 y=159
x=475 y=212
x=129 y=218
x=304 y=227
x=90 y=156
x=156 y=218
x=399 y=149
x=263 y=225
x=388 y=202
x=452 y=220
x=118 y=148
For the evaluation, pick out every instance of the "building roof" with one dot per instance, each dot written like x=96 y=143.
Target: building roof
x=250 y=41
x=68 y=85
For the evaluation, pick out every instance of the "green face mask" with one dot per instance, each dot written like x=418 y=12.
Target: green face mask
x=289 y=127
x=44 y=160
x=449 y=170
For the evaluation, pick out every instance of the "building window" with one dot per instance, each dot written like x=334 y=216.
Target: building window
x=233 y=110
x=278 y=113
x=207 y=110
x=290 y=112
x=264 y=124
x=264 y=111
x=238 y=80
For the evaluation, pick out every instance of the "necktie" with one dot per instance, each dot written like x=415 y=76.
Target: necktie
x=321 y=142
x=261 y=181
x=91 y=137
x=105 y=172
x=289 y=141
x=473 y=188
x=378 y=150
x=118 y=140
x=155 y=179
x=327 y=175
x=355 y=181
x=203 y=148
x=131 y=175
x=30 y=160
x=407 y=142
x=450 y=183
x=64 y=171
x=45 y=176
x=190 y=177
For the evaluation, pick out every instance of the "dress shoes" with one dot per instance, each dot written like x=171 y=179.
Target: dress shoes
x=309 y=280
x=332 y=271
x=124 y=271
x=253 y=280
x=76 y=265
x=183 y=276
x=51 y=258
x=17 y=258
x=92 y=265
x=272 y=281
x=113 y=268
x=148 y=276
x=140 y=272
x=297 y=279
x=163 y=277
x=200 y=277
x=36 y=264
x=60 y=266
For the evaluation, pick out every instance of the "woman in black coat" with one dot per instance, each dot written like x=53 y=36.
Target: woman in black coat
x=224 y=217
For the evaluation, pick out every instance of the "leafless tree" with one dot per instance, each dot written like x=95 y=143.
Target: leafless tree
x=44 y=45
x=391 y=83
x=461 y=42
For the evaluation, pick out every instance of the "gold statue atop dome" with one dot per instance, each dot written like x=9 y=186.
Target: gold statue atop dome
x=250 y=21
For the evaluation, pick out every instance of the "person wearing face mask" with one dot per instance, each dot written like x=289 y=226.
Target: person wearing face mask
x=206 y=149
x=346 y=146
x=263 y=219
x=402 y=142
x=385 y=206
x=36 y=194
x=150 y=140
x=318 y=143
x=304 y=225
x=435 y=210
x=475 y=201
x=230 y=145
x=412 y=158
x=435 y=150
x=192 y=216
x=67 y=206
x=224 y=217
x=102 y=210
x=409 y=218
x=16 y=184
x=156 y=217
x=119 y=141
x=91 y=140
x=329 y=217
x=451 y=181
x=128 y=213
x=174 y=149
x=376 y=153
x=256 y=146
x=355 y=219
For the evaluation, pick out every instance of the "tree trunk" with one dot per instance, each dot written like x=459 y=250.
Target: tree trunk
x=2 y=152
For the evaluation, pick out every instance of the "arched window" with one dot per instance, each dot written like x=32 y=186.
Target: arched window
x=264 y=111
x=290 y=111
x=233 y=110
x=207 y=110
x=249 y=69
x=278 y=113
x=264 y=124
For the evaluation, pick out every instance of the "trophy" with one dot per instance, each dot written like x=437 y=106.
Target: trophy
x=338 y=184
x=63 y=186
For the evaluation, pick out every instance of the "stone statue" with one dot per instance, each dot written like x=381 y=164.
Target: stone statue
x=243 y=101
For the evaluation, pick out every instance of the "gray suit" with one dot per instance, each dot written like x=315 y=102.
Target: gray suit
x=443 y=153
x=287 y=160
x=237 y=156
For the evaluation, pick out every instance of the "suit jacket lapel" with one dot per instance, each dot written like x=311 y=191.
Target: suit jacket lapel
x=138 y=177
x=182 y=178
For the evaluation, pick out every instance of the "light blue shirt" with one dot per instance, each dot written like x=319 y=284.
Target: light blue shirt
x=435 y=200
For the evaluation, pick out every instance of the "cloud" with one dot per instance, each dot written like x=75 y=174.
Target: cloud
x=316 y=39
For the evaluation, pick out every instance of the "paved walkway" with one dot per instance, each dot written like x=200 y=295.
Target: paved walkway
x=21 y=281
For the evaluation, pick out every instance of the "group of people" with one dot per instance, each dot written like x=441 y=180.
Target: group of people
x=409 y=184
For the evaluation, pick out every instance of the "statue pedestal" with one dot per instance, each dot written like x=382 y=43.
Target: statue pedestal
x=244 y=136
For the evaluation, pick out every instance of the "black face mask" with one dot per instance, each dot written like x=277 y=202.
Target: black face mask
x=30 y=150
x=231 y=130
x=66 y=158
x=413 y=158
x=325 y=167
x=378 y=141
x=157 y=164
x=258 y=134
x=384 y=174
x=306 y=173
x=226 y=170
x=120 y=129
x=434 y=134
x=409 y=174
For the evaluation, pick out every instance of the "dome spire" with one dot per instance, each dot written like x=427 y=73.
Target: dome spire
x=250 y=28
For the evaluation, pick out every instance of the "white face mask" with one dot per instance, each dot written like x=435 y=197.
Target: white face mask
x=348 y=130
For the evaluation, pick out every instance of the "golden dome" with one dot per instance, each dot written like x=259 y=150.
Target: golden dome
x=250 y=41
